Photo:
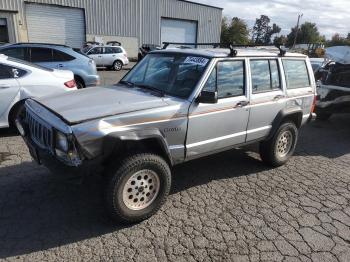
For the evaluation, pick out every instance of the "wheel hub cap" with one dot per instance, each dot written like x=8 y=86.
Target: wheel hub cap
x=284 y=144
x=141 y=189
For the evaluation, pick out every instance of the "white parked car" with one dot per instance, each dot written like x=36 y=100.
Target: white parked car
x=20 y=80
x=112 y=57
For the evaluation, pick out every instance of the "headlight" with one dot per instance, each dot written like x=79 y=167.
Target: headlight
x=62 y=142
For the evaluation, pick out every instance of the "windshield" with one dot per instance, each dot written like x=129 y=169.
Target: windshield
x=86 y=49
x=172 y=74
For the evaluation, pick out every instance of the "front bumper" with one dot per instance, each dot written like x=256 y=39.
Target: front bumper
x=56 y=166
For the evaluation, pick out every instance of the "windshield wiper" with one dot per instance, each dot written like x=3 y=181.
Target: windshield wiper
x=151 y=88
x=128 y=83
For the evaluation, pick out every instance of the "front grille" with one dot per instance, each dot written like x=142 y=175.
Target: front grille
x=40 y=132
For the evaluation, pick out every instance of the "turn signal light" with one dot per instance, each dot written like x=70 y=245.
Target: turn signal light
x=70 y=84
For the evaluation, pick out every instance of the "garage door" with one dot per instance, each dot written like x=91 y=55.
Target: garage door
x=181 y=31
x=57 y=25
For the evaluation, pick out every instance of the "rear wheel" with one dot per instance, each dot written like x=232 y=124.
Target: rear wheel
x=277 y=150
x=117 y=65
x=80 y=83
x=137 y=188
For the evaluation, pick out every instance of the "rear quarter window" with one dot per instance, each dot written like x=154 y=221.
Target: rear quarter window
x=296 y=73
x=58 y=56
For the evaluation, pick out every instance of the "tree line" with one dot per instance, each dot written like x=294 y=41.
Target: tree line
x=236 y=31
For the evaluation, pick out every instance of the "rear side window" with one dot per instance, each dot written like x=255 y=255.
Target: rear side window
x=18 y=73
x=112 y=50
x=296 y=73
x=265 y=75
x=58 y=56
x=5 y=72
x=38 y=55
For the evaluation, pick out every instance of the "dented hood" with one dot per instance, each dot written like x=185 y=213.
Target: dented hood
x=338 y=54
x=96 y=102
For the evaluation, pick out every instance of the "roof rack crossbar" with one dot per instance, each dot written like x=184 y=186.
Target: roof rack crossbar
x=231 y=46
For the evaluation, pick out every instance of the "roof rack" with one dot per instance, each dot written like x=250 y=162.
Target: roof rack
x=232 y=47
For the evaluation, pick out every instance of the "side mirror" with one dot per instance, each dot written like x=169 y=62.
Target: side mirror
x=208 y=97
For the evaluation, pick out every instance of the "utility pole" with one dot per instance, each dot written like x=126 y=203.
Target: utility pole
x=297 y=29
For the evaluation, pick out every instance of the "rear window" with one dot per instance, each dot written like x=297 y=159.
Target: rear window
x=296 y=73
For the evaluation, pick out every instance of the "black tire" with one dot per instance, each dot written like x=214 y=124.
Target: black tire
x=80 y=83
x=17 y=112
x=117 y=65
x=269 y=149
x=119 y=178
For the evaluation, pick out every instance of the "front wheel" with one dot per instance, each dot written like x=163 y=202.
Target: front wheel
x=277 y=150
x=18 y=112
x=117 y=65
x=137 y=188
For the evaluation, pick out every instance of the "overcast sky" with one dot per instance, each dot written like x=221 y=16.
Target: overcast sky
x=331 y=16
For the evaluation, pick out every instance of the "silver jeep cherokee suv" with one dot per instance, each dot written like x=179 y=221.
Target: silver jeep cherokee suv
x=174 y=106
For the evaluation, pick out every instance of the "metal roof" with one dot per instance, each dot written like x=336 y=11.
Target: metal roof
x=196 y=3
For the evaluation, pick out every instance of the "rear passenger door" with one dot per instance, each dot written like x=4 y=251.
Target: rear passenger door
x=110 y=55
x=214 y=127
x=41 y=56
x=61 y=60
x=267 y=96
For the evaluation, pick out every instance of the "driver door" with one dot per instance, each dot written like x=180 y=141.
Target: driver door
x=213 y=127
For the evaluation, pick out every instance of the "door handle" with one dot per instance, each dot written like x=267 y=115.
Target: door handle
x=4 y=87
x=113 y=55
x=278 y=97
x=60 y=65
x=242 y=104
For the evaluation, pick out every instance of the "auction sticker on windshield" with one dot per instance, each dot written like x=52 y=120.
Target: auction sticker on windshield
x=196 y=60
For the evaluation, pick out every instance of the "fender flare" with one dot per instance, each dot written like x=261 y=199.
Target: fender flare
x=283 y=114
x=113 y=138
